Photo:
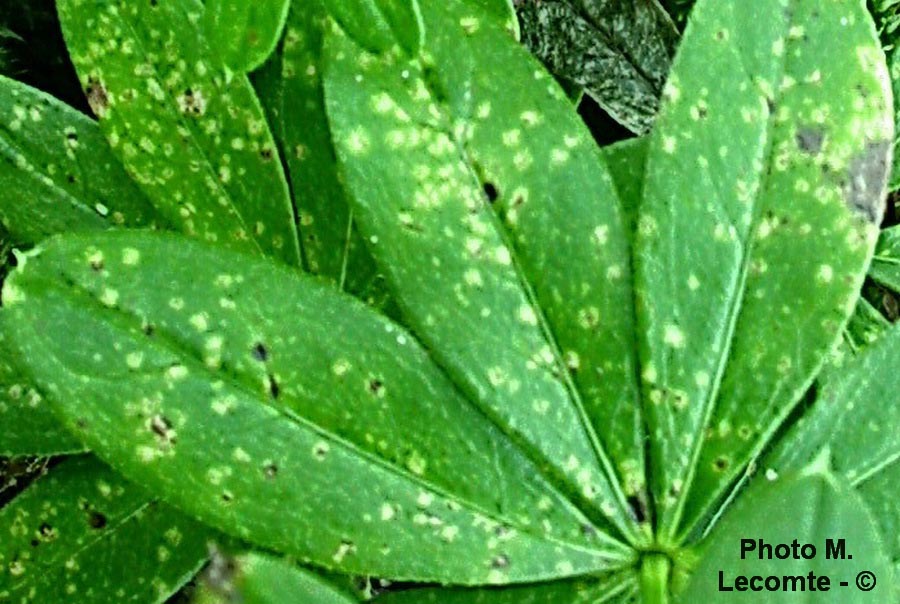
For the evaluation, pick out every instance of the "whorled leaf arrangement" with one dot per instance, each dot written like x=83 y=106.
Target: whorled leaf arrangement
x=587 y=352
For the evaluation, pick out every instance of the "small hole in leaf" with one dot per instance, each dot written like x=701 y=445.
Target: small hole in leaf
x=638 y=508
x=490 y=190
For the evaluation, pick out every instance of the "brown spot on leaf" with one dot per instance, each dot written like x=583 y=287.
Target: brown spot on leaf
x=864 y=190
x=810 y=140
x=97 y=96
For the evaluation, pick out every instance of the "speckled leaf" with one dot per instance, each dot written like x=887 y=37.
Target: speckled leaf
x=765 y=182
x=619 y=51
x=885 y=267
x=262 y=579
x=28 y=425
x=378 y=25
x=887 y=19
x=58 y=172
x=243 y=389
x=332 y=247
x=504 y=11
x=866 y=325
x=480 y=240
x=810 y=508
x=617 y=588
x=243 y=34
x=191 y=133
x=82 y=534
x=626 y=161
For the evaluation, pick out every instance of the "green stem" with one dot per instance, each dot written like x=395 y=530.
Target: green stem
x=655 y=571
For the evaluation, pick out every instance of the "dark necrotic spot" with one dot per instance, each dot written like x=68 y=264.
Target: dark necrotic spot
x=97 y=264
x=265 y=153
x=490 y=190
x=375 y=386
x=148 y=329
x=274 y=389
x=96 y=520
x=866 y=182
x=227 y=496
x=270 y=471
x=70 y=178
x=810 y=140
x=97 y=96
x=260 y=352
x=720 y=464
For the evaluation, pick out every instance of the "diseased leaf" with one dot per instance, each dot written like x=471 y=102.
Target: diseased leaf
x=243 y=34
x=59 y=173
x=619 y=51
x=866 y=325
x=190 y=133
x=887 y=20
x=378 y=25
x=810 y=508
x=28 y=425
x=880 y=494
x=262 y=579
x=259 y=400
x=885 y=268
x=504 y=10
x=332 y=247
x=761 y=202
x=480 y=241
x=81 y=534
x=618 y=588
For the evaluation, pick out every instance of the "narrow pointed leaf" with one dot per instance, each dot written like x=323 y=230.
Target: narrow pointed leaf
x=618 y=51
x=331 y=244
x=866 y=325
x=618 y=588
x=240 y=390
x=810 y=509
x=82 y=534
x=263 y=579
x=885 y=268
x=765 y=181
x=627 y=161
x=378 y=25
x=244 y=34
x=474 y=241
x=190 y=132
x=58 y=172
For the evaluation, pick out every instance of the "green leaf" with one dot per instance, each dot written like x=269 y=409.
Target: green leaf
x=378 y=25
x=765 y=182
x=244 y=34
x=866 y=325
x=82 y=534
x=190 y=133
x=262 y=579
x=29 y=425
x=471 y=225
x=242 y=390
x=626 y=161
x=332 y=247
x=855 y=418
x=504 y=11
x=618 y=51
x=810 y=508
x=885 y=268
x=618 y=588
x=59 y=173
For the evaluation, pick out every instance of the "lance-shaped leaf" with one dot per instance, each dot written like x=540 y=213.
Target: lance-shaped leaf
x=258 y=400
x=82 y=534
x=190 y=132
x=244 y=34
x=618 y=51
x=58 y=172
x=331 y=245
x=29 y=426
x=811 y=508
x=885 y=268
x=254 y=578
x=617 y=588
x=626 y=161
x=380 y=24
x=857 y=420
x=471 y=224
x=765 y=181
